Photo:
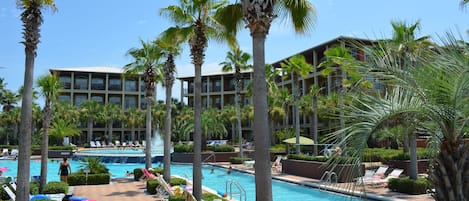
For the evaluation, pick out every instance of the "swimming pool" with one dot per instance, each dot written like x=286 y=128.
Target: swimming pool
x=216 y=180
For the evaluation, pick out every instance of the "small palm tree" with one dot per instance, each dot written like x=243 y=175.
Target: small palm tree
x=134 y=119
x=112 y=113
x=49 y=86
x=61 y=128
x=236 y=60
x=90 y=111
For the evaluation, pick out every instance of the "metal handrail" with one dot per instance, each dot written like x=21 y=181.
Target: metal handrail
x=211 y=156
x=229 y=191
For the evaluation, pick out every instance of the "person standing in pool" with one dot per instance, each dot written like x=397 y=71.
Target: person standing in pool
x=64 y=169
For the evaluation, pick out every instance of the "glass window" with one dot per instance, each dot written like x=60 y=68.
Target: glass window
x=130 y=102
x=81 y=82
x=130 y=85
x=115 y=84
x=143 y=103
x=66 y=81
x=115 y=99
x=98 y=99
x=64 y=98
x=79 y=99
x=97 y=83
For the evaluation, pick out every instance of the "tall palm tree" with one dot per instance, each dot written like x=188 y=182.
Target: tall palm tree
x=195 y=19
x=32 y=20
x=170 y=44
x=296 y=66
x=236 y=60
x=90 y=111
x=49 y=87
x=133 y=118
x=147 y=60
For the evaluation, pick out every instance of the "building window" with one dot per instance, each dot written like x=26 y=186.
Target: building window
x=130 y=102
x=66 y=81
x=64 y=98
x=97 y=83
x=115 y=84
x=130 y=85
x=98 y=99
x=79 y=99
x=81 y=82
x=143 y=103
x=115 y=99
x=142 y=86
x=217 y=86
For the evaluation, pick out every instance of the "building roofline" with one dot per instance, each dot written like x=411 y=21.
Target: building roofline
x=90 y=69
x=214 y=73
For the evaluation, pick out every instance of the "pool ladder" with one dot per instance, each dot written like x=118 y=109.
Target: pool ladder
x=229 y=190
x=328 y=178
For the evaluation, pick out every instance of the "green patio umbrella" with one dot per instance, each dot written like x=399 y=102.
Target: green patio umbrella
x=303 y=141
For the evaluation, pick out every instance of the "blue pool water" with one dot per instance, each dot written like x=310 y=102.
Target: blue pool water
x=127 y=151
x=216 y=180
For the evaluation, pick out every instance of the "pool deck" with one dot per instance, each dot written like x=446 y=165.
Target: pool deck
x=124 y=189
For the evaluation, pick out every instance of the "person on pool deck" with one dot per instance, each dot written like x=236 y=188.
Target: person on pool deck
x=64 y=169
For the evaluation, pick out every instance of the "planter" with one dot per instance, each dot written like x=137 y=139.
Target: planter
x=54 y=153
x=405 y=165
x=206 y=157
x=315 y=169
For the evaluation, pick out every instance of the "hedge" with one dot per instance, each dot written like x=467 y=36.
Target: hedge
x=176 y=198
x=55 y=187
x=80 y=179
x=221 y=148
x=384 y=155
x=183 y=148
x=409 y=186
x=177 y=182
x=238 y=160
x=151 y=186
x=340 y=160
x=211 y=197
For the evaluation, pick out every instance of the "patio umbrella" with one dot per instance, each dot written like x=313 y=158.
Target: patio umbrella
x=303 y=141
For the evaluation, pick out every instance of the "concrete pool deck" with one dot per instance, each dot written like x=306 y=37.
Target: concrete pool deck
x=127 y=189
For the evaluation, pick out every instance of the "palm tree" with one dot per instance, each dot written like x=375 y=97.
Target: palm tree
x=32 y=20
x=8 y=100
x=435 y=90
x=112 y=112
x=61 y=128
x=49 y=87
x=90 y=111
x=296 y=66
x=170 y=44
x=195 y=19
x=147 y=60
x=134 y=118
x=212 y=127
x=230 y=116
x=236 y=60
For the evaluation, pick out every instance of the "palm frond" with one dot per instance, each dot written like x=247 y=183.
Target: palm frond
x=301 y=13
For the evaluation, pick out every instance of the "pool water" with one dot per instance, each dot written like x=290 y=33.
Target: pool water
x=216 y=180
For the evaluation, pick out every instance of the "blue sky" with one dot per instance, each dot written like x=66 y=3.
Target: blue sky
x=99 y=32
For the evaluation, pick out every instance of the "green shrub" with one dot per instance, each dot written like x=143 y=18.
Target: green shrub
x=339 y=160
x=80 y=179
x=138 y=173
x=176 y=198
x=221 y=148
x=384 y=155
x=151 y=186
x=157 y=170
x=409 y=186
x=277 y=148
x=94 y=165
x=55 y=187
x=238 y=160
x=61 y=148
x=211 y=197
x=183 y=148
x=177 y=182
x=34 y=188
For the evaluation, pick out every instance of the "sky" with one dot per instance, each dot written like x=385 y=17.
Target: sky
x=100 y=32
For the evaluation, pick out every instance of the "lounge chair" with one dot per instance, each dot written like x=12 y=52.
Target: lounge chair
x=394 y=174
x=14 y=152
x=92 y=144
x=277 y=165
x=5 y=152
x=12 y=195
x=147 y=174
x=370 y=175
x=98 y=144
x=163 y=189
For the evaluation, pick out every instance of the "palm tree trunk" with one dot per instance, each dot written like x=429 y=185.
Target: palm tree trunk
x=45 y=145
x=413 y=157
x=315 y=112
x=296 y=111
x=233 y=132
x=90 y=130
x=197 y=162
x=148 y=134
x=450 y=171
x=132 y=134
x=22 y=192
x=167 y=136
x=238 y=114
x=263 y=176
x=110 y=130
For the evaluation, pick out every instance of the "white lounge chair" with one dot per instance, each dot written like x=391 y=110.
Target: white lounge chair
x=92 y=144
x=277 y=165
x=5 y=152
x=394 y=174
x=98 y=144
x=14 y=152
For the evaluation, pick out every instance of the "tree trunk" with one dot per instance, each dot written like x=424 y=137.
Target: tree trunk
x=22 y=192
x=315 y=113
x=413 y=174
x=90 y=130
x=450 y=172
x=238 y=115
x=132 y=134
x=296 y=111
x=148 y=133
x=272 y=131
x=263 y=175
x=233 y=132
x=45 y=145
x=110 y=130
x=197 y=162
x=167 y=136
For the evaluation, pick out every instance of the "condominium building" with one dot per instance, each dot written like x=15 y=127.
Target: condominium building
x=103 y=85
x=218 y=87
